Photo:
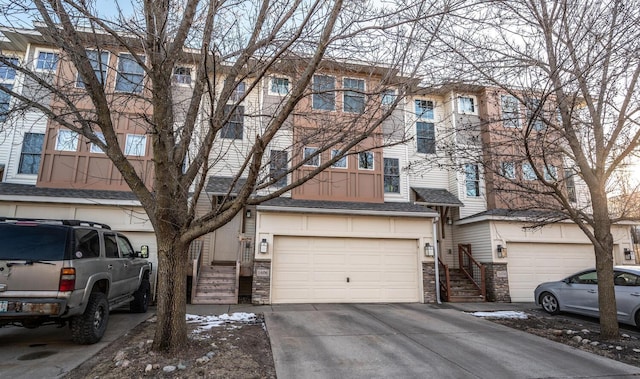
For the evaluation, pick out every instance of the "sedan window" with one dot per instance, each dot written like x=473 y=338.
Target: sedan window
x=590 y=277
x=626 y=279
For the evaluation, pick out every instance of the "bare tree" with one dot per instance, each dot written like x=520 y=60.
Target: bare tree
x=231 y=46
x=562 y=79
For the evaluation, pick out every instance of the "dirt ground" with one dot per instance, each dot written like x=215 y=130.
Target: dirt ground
x=242 y=349
x=232 y=350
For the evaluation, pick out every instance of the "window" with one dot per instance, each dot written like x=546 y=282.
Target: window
x=182 y=75
x=130 y=74
x=353 y=98
x=30 y=155
x=365 y=160
x=424 y=109
x=527 y=171
x=136 y=145
x=550 y=173
x=278 y=167
x=534 y=114
x=5 y=100
x=111 y=246
x=466 y=104
x=279 y=86
x=391 y=175
x=510 y=111
x=8 y=73
x=508 y=170
x=233 y=128
x=472 y=179
x=306 y=156
x=626 y=279
x=589 y=277
x=99 y=62
x=66 y=140
x=571 y=184
x=125 y=247
x=425 y=138
x=340 y=163
x=324 y=96
x=388 y=97
x=47 y=61
x=95 y=148
x=87 y=244
x=238 y=92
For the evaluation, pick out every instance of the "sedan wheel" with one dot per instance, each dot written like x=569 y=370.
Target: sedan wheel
x=549 y=303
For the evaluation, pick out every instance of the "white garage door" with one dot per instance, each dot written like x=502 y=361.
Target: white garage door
x=533 y=263
x=338 y=270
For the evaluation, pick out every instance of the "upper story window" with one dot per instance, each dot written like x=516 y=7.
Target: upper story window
x=388 y=97
x=66 y=140
x=365 y=160
x=353 y=97
x=391 y=175
x=278 y=167
x=95 y=148
x=279 y=86
x=550 y=173
x=467 y=104
x=238 y=92
x=7 y=76
x=182 y=75
x=46 y=61
x=508 y=170
x=30 y=155
x=472 y=179
x=233 y=129
x=136 y=145
x=340 y=163
x=99 y=62
x=307 y=156
x=425 y=138
x=534 y=114
x=527 y=171
x=571 y=184
x=324 y=96
x=8 y=73
x=510 y=111
x=424 y=109
x=130 y=74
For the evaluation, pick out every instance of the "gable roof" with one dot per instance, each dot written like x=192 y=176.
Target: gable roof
x=436 y=196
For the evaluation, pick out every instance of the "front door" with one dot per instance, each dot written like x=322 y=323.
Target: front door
x=226 y=242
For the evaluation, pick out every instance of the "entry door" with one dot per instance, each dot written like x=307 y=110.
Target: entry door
x=226 y=243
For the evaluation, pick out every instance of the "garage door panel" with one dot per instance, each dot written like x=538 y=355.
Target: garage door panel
x=533 y=263
x=378 y=270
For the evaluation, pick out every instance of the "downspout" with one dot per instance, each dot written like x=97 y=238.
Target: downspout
x=435 y=256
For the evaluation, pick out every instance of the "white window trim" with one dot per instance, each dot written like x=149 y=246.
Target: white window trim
x=335 y=94
x=106 y=72
x=478 y=181
x=524 y=172
x=393 y=92
x=373 y=161
x=345 y=157
x=421 y=117
x=95 y=149
x=270 y=78
x=518 y=108
x=192 y=75
x=117 y=69
x=58 y=146
x=304 y=156
x=475 y=104
x=36 y=55
x=344 y=92
x=398 y=194
x=143 y=144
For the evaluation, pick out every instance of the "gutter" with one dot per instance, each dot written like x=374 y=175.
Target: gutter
x=363 y=212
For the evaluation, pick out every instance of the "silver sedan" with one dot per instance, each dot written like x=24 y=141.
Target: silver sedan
x=578 y=293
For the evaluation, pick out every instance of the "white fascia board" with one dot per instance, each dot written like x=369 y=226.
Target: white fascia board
x=359 y=212
x=68 y=200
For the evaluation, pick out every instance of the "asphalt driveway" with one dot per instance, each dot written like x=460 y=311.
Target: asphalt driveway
x=418 y=341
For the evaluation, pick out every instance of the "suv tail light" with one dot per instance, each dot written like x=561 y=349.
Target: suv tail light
x=67 y=279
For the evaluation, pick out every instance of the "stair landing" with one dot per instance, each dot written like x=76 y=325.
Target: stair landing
x=216 y=285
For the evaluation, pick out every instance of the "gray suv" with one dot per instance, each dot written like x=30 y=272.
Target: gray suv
x=69 y=272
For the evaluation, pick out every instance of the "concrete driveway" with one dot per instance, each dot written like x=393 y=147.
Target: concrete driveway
x=48 y=352
x=418 y=341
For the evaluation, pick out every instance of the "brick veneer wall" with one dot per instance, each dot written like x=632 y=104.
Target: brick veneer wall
x=260 y=288
x=497 y=279
x=429 y=282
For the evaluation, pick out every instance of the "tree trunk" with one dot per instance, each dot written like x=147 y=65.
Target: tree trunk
x=171 y=327
x=604 y=266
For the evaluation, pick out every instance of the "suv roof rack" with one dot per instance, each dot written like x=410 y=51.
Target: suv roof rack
x=57 y=221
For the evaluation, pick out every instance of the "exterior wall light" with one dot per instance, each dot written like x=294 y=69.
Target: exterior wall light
x=248 y=213
x=264 y=246
x=428 y=250
x=628 y=254
x=502 y=251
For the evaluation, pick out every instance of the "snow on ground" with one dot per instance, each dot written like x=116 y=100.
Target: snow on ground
x=208 y=322
x=501 y=314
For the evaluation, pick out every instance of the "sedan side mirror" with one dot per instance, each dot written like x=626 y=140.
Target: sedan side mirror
x=144 y=251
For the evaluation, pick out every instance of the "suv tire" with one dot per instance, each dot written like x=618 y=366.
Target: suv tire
x=89 y=327
x=141 y=297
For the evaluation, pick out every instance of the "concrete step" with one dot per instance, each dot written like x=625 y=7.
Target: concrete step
x=215 y=300
x=465 y=299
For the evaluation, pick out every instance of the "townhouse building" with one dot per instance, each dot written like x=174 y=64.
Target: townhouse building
x=394 y=220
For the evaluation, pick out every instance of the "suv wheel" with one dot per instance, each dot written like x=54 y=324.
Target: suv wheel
x=141 y=297
x=89 y=327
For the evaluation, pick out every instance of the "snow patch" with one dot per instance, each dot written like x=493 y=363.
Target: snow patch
x=502 y=314
x=208 y=322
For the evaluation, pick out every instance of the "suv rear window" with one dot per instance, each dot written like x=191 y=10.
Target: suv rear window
x=33 y=242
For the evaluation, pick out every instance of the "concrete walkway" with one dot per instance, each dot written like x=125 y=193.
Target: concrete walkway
x=418 y=341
